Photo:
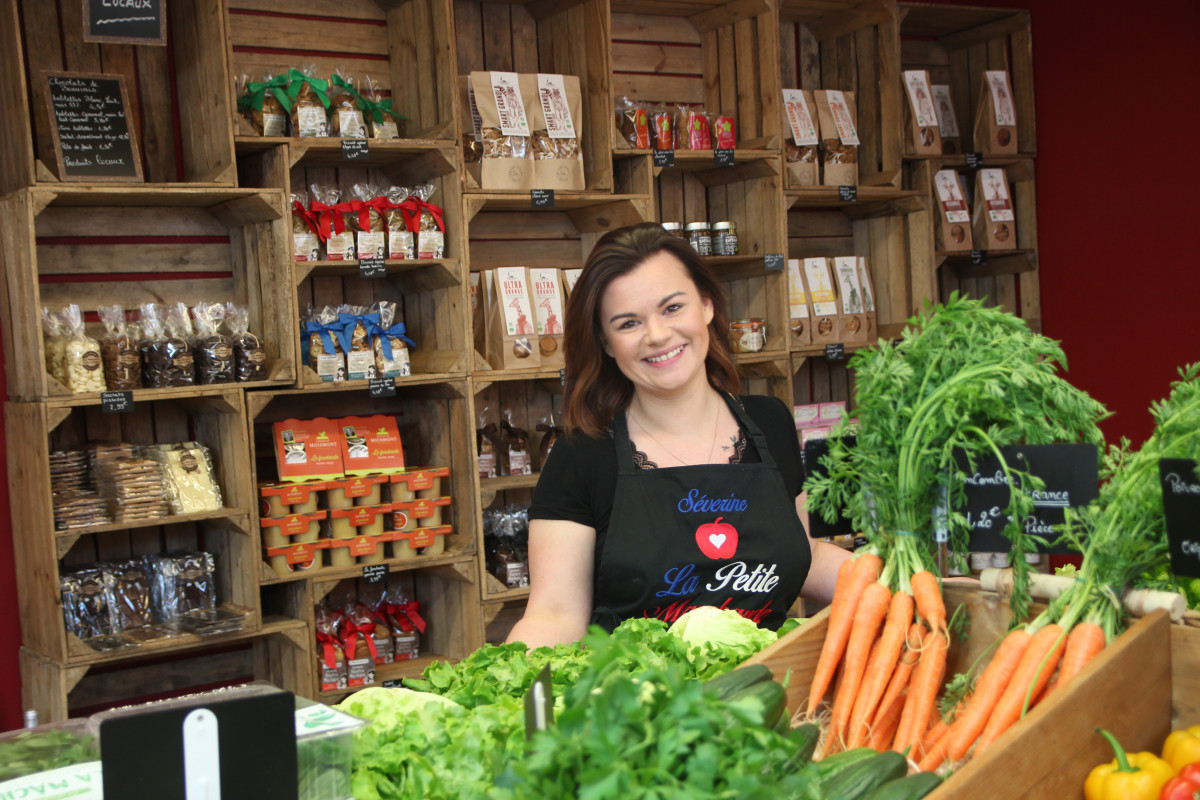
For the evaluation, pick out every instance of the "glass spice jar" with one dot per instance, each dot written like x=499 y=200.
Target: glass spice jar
x=724 y=238
x=674 y=228
x=748 y=335
x=700 y=238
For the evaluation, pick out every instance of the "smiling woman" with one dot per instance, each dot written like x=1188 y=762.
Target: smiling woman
x=669 y=491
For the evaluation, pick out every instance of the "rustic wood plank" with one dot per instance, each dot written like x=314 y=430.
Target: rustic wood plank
x=643 y=57
x=749 y=101
x=329 y=35
x=651 y=28
x=468 y=35
x=97 y=258
x=1021 y=43
x=867 y=101
x=659 y=89
x=789 y=55
x=333 y=10
x=497 y=37
x=158 y=136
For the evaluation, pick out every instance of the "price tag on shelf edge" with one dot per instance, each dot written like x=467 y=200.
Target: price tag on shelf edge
x=664 y=158
x=375 y=573
x=355 y=149
x=723 y=157
x=774 y=262
x=979 y=257
x=835 y=351
x=396 y=683
x=974 y=160
x=542 y=198
x=372 y=267
x=848 y=194
x=116 y=402
x=381 y=387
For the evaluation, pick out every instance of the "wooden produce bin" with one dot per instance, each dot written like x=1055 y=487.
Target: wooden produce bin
x=568 y=39
x=181 y=124
x=212 y=416
x=1048 y=754
x=95 y=246
x=404 y=47
x=852 y=47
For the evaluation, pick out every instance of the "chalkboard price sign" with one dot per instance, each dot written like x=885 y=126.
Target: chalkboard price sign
x=375 y=573
x=848 y=194
x=664 y=158
x=835 y=351
x=125 y=21
x=89 y=125
x=541 y=198
x=773 y=262
x=1181 y=506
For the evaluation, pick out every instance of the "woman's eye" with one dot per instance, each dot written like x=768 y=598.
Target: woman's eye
x=629 y=323
x=671 y=309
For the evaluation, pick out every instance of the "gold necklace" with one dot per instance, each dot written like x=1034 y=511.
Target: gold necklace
x=667 y=450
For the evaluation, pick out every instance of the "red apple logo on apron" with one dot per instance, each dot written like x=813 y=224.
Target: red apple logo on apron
x=717 y=539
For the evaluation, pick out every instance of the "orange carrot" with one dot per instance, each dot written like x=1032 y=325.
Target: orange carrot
x=875 y=681
x=933 y=758
x=872 y=607
x=884 y=727
x=922 y=694
x=1033 y=671
x=904 y=670
x=928 y=596
x=853 y=577
x=991 y=684
x=1084 y=642
x=935 y=734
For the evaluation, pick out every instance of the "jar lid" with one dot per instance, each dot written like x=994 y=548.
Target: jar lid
x=722 y=226
x=671 y=226
x=697 y=226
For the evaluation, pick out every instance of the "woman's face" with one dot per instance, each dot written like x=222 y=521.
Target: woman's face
x=655 y=326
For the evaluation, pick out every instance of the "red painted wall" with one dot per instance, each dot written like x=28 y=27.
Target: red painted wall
x=1117 y=202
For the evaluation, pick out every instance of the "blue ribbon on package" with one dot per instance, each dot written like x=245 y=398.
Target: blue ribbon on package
x=385 y=336
x=325 y=331
x=344 y=329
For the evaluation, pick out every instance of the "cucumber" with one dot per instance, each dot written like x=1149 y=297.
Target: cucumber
x=730 y=683
x=913 y=787
x=860 y=779
x=771 y=698
x=804 y=738
x=831 y=765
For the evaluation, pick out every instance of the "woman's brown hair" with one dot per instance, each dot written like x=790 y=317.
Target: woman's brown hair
x=596 y=389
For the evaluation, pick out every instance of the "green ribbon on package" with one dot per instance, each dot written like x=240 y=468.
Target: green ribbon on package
x=256 y=92
x=297 y=79
x=372 y=109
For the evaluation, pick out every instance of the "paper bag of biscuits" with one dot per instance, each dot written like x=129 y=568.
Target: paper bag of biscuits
x=818 y=285
x=850 y=297
x=800 y=141
x=947 y=117
x=953 y=226
x=470 y=132
x=996 y=116
x=512 y=331
x=799 y=312
x=995 y=223
x=507 y=162
x=925 y=137
x=548 y=313
x=555 y=112
x=868 y=295
x=839 y=137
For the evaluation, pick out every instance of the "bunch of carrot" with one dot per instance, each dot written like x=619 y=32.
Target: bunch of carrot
x=887 y=647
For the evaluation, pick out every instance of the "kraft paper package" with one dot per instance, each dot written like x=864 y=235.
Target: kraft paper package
x=953 y=226
x=512 y=337
x=554 y=109
x=506 y=163
x=801 y=143
x=799 y=312
x=995 y=225
x=996 y=116
x=839 y=137
x=947 y=116
x=851 y=302
x=925 y=137
x=826 y=322
x=547 y=288
x=868 y=292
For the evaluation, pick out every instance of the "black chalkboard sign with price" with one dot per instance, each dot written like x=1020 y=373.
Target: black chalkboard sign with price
x=88 y=116
x=125 y=21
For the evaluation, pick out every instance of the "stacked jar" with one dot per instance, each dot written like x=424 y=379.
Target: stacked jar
x=417 y=503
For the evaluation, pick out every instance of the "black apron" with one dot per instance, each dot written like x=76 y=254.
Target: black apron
x=723 y=535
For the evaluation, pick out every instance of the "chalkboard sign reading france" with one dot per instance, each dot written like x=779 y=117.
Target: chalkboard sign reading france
x=89 y=123
x=127 y=21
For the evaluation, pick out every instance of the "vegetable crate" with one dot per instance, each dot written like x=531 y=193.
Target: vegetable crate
x=403 y=46
x=96 y=246
x=430 y=294
x=851 y=47
x=214 y=417
x=1048 y=754
x=560 y=38
x=182 y=126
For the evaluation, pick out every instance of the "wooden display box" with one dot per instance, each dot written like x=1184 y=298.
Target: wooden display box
x=135 y=245
x=723 y=56
x=852 y=47
x=182 y=124
x=567 y=39
x=435 y=429
x=214 y=417
x=958 y=44
x=278 y=653
x=1048 y=754
x=403 y=45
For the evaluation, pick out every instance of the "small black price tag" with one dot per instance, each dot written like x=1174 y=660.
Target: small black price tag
x=381 y=387
x=372 y=267
x=1181 y=506
x=542 y=198
x=116 y=402
x=395 y=683
x=848 y=194
x=539 y=704
x=774 y=262
x=562 y=377
x=375 y=573
x=355 y=149
x=723 y=158
x=979 y=256
x=860 y=541
x=974 y=160
x=835 y=352
x=664 y=158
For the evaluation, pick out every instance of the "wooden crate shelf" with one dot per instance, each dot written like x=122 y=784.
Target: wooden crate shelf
x=94 y=246
x=182 y=126
x=215 y=418
x=460 y=555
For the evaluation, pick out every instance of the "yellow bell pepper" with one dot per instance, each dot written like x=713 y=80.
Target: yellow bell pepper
x=1182 y=748
x=1132 y=776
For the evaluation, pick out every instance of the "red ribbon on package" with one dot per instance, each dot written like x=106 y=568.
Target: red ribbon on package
x=406 y=615
x=411 y=209
x=363 y=209
x=350 y=633
x=327 y=213
x=310 y=219
x=329 y=645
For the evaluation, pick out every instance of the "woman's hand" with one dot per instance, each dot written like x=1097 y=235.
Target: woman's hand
x=561 y=555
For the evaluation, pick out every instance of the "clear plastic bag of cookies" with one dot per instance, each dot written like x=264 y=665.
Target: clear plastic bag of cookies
x=119 y=350
x=662 y=127
x=390 y=343
x=180 y=581
x=54 y=343
x=85 y=603
x=488 y=450
x=82 y=365
x=355 y=339
x=345 y=116
x=515 y=443
x=692 y=129
x=264 y=103
x=188 y=477
x=306 y=236
x=633 y=121
x=382 y=121
x=401 y=242
x=431 y=226
x=249 y=354
x=335 y=221
x=310 y=102
x=127 y=591
x=213 y=350
x=179 y=328
x=368 y=220
x=325 y=354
